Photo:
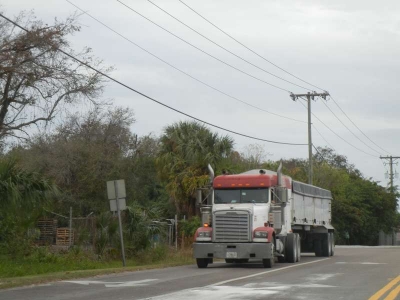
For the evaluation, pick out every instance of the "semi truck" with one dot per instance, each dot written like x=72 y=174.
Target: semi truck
x=263 y=215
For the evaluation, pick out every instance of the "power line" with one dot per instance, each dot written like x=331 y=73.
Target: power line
x=150 y=98
x=349 y=128
x=323 y=137
x=248 y=48
x=392 y=160
x=206 y=53
x=318 y=130
x=262 y=57
x=180 y=70
x=316 y=149
x=310 y=96
x=334 y=101
x=341 y=137
x=218 y=45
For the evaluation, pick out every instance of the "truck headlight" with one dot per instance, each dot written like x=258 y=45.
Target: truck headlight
x=261 y=234
x=260 y=237
x=203 y=234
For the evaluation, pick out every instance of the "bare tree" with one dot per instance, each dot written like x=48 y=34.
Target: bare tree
x=254 y=156
x=37 y=82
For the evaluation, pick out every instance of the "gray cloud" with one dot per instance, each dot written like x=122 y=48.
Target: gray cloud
x=347 y=47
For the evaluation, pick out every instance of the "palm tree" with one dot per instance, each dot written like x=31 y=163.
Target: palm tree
x=186 y=149
x=23 y=196
x=22 y=190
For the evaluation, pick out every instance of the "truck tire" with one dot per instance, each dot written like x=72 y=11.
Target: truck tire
x=326 y=245
x=268 y=262
x=332 y=244
x=318 y=248
x=290 y=248
x=298 y=248
x=202 y=263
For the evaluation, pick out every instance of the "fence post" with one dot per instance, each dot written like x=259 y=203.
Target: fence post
x=70 y=226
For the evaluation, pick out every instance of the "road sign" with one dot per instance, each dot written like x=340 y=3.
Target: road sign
x=121 y=202
x=116 y=191
x=120 y=184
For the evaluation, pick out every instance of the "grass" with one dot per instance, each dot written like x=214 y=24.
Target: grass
x=45 y=266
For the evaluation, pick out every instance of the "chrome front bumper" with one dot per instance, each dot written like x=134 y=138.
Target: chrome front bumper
x=233 y=250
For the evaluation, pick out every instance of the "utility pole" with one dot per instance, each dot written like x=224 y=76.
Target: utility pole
x=391 y=162
x=310 y=96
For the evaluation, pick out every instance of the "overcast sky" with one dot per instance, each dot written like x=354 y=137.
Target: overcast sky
x=349 y=48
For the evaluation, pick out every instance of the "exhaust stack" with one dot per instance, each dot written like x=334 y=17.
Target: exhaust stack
x=279 y=174
x=280 y=194
x=210 y=169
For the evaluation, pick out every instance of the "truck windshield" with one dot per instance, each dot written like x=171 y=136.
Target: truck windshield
x=241 y=196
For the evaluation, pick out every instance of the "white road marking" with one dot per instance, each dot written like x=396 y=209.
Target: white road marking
x=217 y=292
x=359 y=263
x=283 y=287
x=221 y=292
x=266 y=272
x=359 y=246
x=113 y=284
x=321 y=277
x=224 y=292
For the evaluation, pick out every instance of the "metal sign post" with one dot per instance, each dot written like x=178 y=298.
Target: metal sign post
x=116 y=190
x=176 y=232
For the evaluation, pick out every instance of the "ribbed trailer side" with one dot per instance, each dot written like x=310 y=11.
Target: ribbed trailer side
x=311 y=205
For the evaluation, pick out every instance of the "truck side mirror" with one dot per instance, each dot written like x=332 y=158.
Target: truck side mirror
x=282 y=194
x=199 y=197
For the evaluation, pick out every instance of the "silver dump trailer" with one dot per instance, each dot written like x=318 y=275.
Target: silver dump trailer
x=312 y=218
x=264 y=215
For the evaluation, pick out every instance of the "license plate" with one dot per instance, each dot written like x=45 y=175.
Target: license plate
x=231 y=254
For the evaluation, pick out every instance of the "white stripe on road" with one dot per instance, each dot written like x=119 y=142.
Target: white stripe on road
x=358 y=263
x=267 y=272
x=112 y=284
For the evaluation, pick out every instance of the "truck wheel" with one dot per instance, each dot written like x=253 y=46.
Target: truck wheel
x=318 y=248
x=298 y=248
x=269 y=262
x=202 y=263
x=332 y=244
x=290 y=248
x=326 y=245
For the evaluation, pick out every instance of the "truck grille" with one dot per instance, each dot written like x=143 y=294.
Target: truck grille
x=232 y=227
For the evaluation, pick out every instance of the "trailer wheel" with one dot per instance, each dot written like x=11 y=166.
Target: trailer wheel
x=326 y=245
x=298 y=248
x=269 y=262
x=290 y=248
x=202 y=263
x=332 y=244
x=318 y=248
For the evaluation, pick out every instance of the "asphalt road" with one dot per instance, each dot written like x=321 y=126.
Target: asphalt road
x=353 y=273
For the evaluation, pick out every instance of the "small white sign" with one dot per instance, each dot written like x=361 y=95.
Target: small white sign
x=121 y=202
x=111 y=189
x=231 y=254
